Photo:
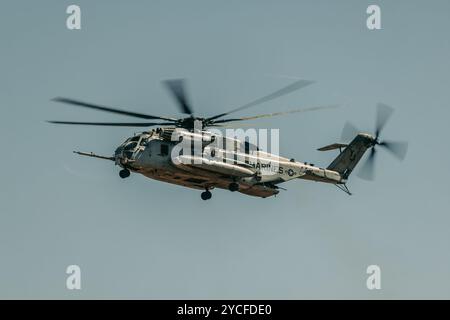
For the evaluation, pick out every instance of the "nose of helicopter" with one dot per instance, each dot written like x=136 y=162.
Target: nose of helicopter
x=124 y=153
x=118 y=151
x=118 y=154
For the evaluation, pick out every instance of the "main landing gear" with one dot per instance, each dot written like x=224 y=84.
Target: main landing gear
x=124 y=173
x=206 y=195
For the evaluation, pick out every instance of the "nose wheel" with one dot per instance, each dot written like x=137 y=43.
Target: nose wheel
x=124 y=173
x=206 y=195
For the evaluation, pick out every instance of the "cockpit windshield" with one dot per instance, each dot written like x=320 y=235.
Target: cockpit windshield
x=130 y=146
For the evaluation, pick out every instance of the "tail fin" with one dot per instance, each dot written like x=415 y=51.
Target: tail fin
x=346 y=161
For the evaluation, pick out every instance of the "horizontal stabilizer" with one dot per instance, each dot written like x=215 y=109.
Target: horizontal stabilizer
x=333 y=146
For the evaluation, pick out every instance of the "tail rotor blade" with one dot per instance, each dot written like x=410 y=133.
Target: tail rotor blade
x=384 y=112
x=349 y=132
x=396 y=148
x=367 y=171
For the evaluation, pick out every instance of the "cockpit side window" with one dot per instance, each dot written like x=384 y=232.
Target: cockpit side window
x=143 y=142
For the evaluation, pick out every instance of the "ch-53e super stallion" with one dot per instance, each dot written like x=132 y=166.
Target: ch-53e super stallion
x=243 y=167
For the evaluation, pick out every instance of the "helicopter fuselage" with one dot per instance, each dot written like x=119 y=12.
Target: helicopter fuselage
x=158 y=155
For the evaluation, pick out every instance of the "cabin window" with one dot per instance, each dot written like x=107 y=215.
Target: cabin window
x=246 y=147
x=164 y=149
x=213 y=153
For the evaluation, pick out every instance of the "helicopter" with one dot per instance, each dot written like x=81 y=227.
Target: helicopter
x=186 y=152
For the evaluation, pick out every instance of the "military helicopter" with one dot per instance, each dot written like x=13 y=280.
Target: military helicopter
x=243 y=167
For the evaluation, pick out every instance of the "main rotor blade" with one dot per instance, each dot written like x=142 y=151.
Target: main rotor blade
x=396 y=148
x=290 y=88
x=349 y=132
x=108 y=109
x=384 y=112
x=114 y=124
x=268 y=115
x=368 y=169
x=177 y=88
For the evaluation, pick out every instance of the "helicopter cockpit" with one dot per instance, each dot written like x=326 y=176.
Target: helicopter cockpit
x=127 y=149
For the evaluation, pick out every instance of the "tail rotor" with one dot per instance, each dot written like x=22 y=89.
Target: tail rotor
x=396 y=148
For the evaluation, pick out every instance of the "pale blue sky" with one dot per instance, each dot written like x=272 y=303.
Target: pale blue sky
x=138 y=238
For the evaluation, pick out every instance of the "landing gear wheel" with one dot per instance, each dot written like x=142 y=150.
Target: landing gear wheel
x=233 y=187
x=124 y=173
x=206 y=195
